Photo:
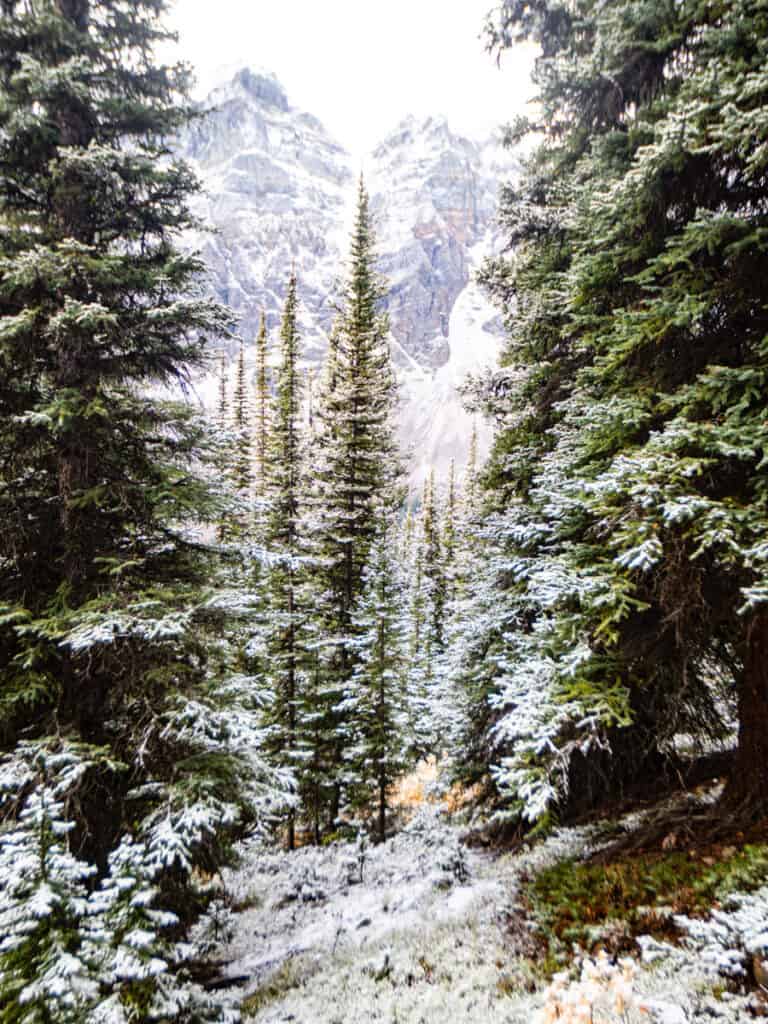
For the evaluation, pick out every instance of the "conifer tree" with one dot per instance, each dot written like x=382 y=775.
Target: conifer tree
x=433 y=576
x=357 y=464
x=105 y=668
x=242 y=470
x=418 y=633
x=470 y=484
x=224 y=455
x=283 y=480
x=628 y=475
x=375 y=705
x=223 y=406
x=95 y=312
x=449 y=535
x=262 y=402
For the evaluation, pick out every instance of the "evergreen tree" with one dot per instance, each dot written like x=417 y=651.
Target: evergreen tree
x=284 y=644
x=450 y=526
x=262 y=401
x=223 y=406
x=224 y=455
x=375 y=705
x=628 y=475
x=356 y=468
x=471 y=497
x=242 y=469
x=94 y=313
x=433 y=572
x=110 y=716
x=419 y=620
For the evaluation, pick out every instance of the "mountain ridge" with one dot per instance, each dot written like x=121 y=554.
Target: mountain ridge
x=279 y=189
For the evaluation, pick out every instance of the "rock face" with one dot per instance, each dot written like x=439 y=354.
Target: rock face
x=277 y=186
x=434 y=195
x=280 y=193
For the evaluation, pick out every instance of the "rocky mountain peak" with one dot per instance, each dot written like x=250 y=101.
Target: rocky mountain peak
x=413 y=132
x=263 y=87
x=279 y=189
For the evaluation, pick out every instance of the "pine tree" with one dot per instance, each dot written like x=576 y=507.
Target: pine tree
x=242 y=468
x=224 y=455
x=107 y=672
x=95 y=313
x=375 y=705
x=285 y=647
x=450 y=527
x=628 y=473
x=357 y=466
x=418 y=628
x=223 y=406
x=262 y=401
x=433 y=576
x=470 y=485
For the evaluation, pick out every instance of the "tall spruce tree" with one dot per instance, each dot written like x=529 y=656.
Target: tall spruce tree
x=357 y=466
x=284 y=642
x=222 y=408
x=630 y=476
x=102 y=623
x=450 y=527
x=262 y=405
x=375 y=705
x=242 y=463
x=433 y=569
x=94 y=312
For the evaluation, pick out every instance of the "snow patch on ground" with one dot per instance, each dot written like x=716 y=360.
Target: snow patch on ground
x=421 y=938
x=424 y=937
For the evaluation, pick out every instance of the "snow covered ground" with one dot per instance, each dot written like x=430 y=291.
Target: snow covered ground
x=418 y=931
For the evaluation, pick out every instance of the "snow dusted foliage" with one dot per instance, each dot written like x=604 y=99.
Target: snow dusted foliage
x=79 y=944
x=43 y=890
x=628 y=477
x=375 y=705
x=734 y=936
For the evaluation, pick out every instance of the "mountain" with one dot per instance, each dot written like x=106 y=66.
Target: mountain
x=280 y=192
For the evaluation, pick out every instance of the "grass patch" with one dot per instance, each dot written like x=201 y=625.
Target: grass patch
x=285 y=978
x=607 y=905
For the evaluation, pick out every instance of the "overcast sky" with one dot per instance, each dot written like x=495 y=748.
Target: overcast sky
x=359 y=65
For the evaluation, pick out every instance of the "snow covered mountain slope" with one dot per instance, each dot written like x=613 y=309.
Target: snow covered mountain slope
x=280 y=191
x=276 y=189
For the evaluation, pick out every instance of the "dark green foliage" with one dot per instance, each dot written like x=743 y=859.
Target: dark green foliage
x=262 y=404
x=104 y=623
x=284 y=646
x=242 y=469
x=630 y=472
x=94 y=311
x=353 y=487
x=375 y=707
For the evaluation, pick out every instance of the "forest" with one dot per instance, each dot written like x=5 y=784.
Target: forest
x=232 y=638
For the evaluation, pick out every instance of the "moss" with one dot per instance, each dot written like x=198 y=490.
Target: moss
x=607 y=905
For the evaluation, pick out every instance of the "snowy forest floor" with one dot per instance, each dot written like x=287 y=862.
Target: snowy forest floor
x=438 y=932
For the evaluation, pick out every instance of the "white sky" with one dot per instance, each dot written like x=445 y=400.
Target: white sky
x=362 y=65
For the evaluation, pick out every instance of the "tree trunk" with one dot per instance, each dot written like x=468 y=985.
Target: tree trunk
x=76 y=11
x=747 y=787
x=382 y=807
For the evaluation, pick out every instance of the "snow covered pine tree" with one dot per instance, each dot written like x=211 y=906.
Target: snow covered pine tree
x=631 y=475
x=126 y=764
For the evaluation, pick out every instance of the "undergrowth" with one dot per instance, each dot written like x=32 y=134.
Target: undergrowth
x=286 y=977
x=605 y=906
